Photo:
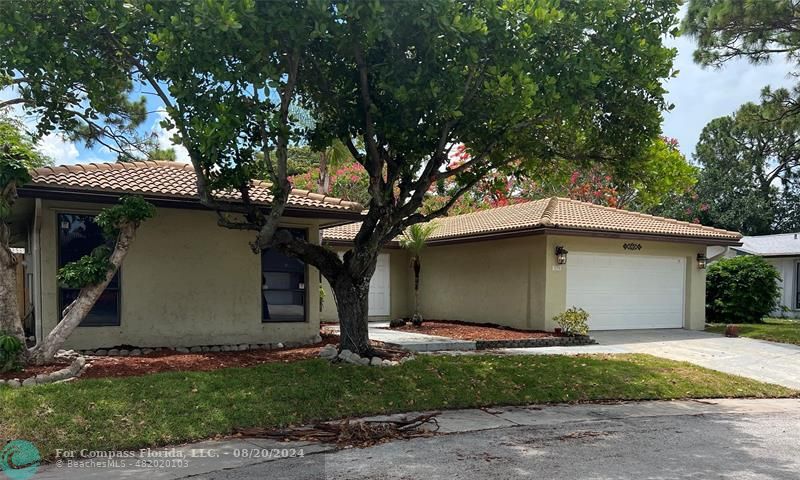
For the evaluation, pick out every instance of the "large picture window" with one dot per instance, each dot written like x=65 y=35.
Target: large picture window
x=78 y=235
x=283 y=285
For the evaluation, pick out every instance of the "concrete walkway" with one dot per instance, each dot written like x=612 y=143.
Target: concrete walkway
x=765 y=361
x=271 y=459
x=414 y=342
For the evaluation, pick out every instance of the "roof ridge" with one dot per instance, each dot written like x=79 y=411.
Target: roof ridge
x=656 y=217
x=549 y=211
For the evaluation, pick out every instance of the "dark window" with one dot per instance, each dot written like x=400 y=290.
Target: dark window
x=283 y=285
x=797 y=287
x=78 y=235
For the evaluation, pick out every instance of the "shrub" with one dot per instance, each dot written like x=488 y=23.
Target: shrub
x=742 y=289
x=574 y=321
x=10 y=353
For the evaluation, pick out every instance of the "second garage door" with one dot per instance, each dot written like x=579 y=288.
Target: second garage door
x=626 y=291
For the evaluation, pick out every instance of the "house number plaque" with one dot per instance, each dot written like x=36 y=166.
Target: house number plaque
x=632 y=246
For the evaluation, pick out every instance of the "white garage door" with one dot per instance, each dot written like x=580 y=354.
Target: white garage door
x=379 y=296
x=626 y=291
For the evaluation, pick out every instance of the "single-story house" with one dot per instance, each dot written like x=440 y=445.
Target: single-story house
x=523 y=264
x=783 y=252
x=186 y=281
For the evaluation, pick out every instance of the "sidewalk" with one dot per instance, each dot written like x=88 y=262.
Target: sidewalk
x=206 y=458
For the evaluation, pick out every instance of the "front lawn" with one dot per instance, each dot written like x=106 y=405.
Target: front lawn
x=175 y=407
x=773 y=329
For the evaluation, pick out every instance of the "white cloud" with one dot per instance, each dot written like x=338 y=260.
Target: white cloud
x=164 y=137
x=55 y=146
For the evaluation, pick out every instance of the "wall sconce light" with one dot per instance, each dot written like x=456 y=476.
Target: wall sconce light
x=561 y=255
x=701 y=261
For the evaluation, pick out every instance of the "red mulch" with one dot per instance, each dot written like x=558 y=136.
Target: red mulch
x=471 y=331
x=171 y=361
x=32 y=371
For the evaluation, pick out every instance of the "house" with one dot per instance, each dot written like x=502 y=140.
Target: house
x=522 y=264
x=186 y=281
x=783 y=252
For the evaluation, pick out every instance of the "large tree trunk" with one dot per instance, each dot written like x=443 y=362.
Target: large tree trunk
x=352 y=305
x=10 y=321
x=74 y=314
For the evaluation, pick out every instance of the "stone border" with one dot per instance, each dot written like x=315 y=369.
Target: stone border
x=331 y=353
x=536 y=342
x=242 y=347
x=76 y=368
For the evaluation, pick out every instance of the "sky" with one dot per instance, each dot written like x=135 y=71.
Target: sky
x=699 y=95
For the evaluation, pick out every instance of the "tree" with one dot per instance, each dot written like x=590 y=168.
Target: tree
x=407 y=80
x=91 y=274
x=659 y=176
x=728 y=29
x=751 y=170
x=414 y=240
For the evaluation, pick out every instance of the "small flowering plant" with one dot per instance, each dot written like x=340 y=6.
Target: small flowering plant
x=574 y=321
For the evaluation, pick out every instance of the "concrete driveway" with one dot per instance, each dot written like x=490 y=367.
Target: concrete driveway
x=765 y=361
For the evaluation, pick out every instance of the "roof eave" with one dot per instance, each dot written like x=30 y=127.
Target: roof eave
x=50 y=192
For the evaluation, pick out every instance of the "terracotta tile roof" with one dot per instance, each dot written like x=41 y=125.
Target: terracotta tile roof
x=556 y=213
x=169 y=180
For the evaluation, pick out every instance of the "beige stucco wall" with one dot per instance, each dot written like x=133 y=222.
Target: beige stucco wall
x=694 y=305
x=185 y=282
x=499 y=281
x=401 y=287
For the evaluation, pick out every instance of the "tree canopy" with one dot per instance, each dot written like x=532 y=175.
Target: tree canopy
x=399 y=83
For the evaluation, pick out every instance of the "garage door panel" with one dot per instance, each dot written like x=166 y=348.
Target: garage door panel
x=627 y=292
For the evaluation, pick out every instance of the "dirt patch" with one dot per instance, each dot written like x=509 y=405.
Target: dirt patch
x=171 y=361
x=467 y=331
x=32 y=371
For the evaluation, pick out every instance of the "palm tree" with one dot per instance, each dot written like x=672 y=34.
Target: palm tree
x=414 y=240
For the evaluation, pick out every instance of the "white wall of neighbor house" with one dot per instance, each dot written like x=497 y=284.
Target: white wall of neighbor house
x=185 y=282
x=788 y=269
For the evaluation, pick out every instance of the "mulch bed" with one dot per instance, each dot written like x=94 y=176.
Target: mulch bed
x=171 y=361
x=472 y=331
x=32 y=371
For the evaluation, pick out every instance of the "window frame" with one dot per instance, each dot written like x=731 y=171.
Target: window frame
x=306 y=272
x=797 y=285
x=60 y=289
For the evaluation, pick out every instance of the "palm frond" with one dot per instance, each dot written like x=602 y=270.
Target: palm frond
x=416 y=236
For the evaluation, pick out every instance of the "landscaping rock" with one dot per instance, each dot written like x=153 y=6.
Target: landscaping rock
x=397 y=323
x=147 y=351
x=13 y=383
x=243 y=347
x=124 y=353
x=253 y=346
x=113 y=352
x=328 y=352
x=29 y=382
x=136 y=352
x=376 y=361
x=182 y=350
x=279 y=345
x=196 y=349
x=214 y=349
x=317 y=339
x=101 y=353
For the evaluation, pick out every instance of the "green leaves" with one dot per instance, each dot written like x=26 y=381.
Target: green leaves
x=89 y=270
x=742 y=289
x=10 y=352
x=131 y=209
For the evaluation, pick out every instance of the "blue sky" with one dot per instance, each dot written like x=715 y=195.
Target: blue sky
x=699 y=95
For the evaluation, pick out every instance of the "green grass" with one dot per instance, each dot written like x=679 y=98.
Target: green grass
x=773 y=329
x=175 y=407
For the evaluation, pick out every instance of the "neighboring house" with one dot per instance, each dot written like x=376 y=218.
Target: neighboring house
x=186 y=281
x=783 y=252
x=628 y=270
